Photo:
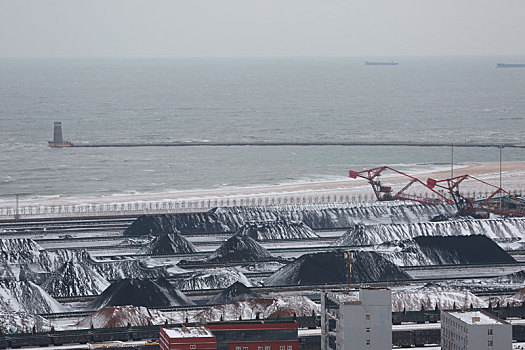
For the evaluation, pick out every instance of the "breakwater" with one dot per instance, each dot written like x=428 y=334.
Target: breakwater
x=292 y=143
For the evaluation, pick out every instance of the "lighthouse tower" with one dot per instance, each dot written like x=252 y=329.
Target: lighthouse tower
x=58 y=141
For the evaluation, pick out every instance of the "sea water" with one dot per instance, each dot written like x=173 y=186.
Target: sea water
x=453 y=99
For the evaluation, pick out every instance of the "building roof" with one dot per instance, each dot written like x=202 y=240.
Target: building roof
x=188 y=332
x=476 y=317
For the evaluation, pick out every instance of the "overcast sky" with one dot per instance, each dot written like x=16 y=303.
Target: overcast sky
x=152 y=28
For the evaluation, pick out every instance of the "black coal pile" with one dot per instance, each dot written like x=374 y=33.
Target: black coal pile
x=185 y=223
x=276 y=230
x=75 y=279
x=239 y=249
x=316 y=216
x=141 y=292
x=475 y=249
x=332 y=268
x=168 y=244
x=368 y=266
x=155 y=225
x=233 y=293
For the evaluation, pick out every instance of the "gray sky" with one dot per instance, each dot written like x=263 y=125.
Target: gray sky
x=151 y=28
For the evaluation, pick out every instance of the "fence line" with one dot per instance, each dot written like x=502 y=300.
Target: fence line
x=193 y=205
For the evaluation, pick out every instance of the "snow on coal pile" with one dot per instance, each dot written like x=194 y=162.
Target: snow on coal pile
x=235 y=292
x=211 y=279
x=168 y=244
x=499 y=230
x=449 y=250
x=148 y=293
x=23 y=322
x=331 y=267
x=17 y=252
x=316 y=216
x=75 y=279
x=122 y=316
x=25 y=296
x=239 y=249
x=277 y=307
x=428 y=297
x=275 y=230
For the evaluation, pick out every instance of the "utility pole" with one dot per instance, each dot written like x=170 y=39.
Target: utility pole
x=452 y=161
x=500 y=184
x=17 y=213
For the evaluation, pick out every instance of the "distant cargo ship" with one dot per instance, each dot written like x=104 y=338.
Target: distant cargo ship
x=510 y=65
x=373 y=63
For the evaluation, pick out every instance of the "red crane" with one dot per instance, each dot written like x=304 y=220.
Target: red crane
x=498 y=201
x=385 y=193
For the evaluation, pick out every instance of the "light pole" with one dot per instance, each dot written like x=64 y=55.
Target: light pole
x=500 y=182
x=17 y=213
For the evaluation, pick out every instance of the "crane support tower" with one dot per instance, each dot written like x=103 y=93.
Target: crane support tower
x=498 y=201
x=385 y=193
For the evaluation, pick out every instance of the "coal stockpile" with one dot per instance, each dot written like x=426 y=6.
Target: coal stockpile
x=369 y=266
x=276 y=230
x=333 y=268
x=475 y=249
x=75 y=279
x=155 y=225
x=141 y=292
x=315 y=216
x=235 y=292
x=172 y=243
x=239 y=249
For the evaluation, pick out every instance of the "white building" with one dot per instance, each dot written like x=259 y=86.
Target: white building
x=474 y=330
x=357 y=322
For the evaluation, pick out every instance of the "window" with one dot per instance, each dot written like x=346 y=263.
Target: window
x=267 y=347
x=489 y=331
x=282 y=347
x=368 y=317
x=237 y=348
x=193 y=346
x=244 y=348
x=367 y=329
x=260 y=347
x=289 y=347
x=368 y=342
x=490 y=343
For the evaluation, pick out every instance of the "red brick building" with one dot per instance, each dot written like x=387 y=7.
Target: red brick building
x=240 y=335
x=187 y=338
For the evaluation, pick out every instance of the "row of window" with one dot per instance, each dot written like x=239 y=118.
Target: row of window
x=265 y=347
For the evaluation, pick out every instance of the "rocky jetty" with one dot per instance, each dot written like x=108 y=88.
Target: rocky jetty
x=235 y=292
x=168 y=244
x=276 y=230
x=146 y=292
x=239 y=249
x=336 y=267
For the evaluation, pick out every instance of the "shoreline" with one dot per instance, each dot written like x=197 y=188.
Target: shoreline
x=513 y=176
